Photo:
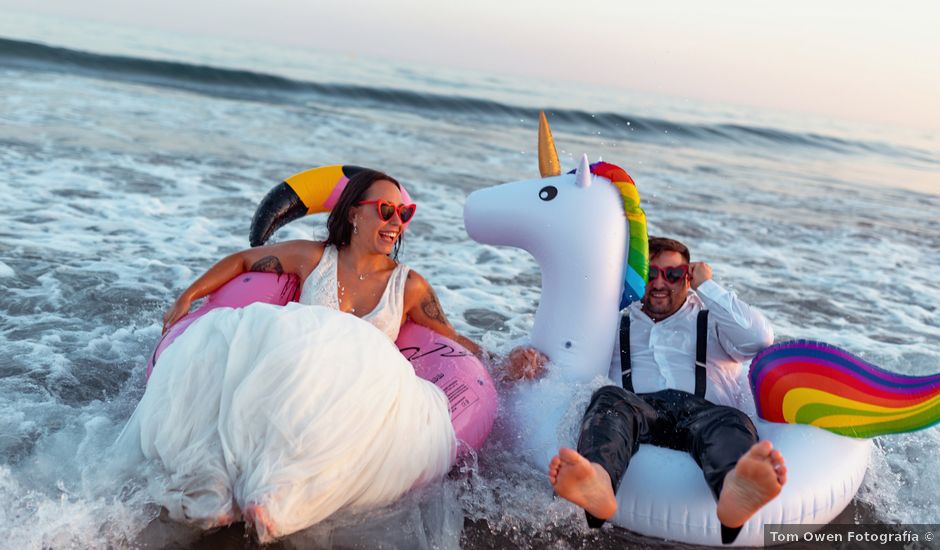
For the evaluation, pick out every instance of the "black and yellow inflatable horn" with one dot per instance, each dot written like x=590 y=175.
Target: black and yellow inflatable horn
x=309 y=192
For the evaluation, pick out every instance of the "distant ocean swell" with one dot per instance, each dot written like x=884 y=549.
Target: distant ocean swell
x=249 y=85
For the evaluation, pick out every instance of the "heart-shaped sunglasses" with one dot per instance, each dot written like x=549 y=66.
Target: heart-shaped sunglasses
x=387 y=209
x=672 y=275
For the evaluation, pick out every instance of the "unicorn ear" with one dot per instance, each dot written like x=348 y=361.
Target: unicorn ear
x=583 y=176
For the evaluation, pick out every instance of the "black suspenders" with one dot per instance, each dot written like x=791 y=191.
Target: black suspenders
x=626 y=369
x=701 y=345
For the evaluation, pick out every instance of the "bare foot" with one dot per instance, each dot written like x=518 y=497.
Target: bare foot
x=755 y=481
x=229 y=517
x=223 y=519
x=257 y=517
x=582 y=482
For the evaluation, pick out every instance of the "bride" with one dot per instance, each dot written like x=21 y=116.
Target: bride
x=284 y=415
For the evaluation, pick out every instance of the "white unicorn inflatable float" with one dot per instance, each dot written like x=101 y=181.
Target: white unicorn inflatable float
x=592 y=264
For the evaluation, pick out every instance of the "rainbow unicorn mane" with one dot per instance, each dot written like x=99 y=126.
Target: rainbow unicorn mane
x=637 y=260
x=808 y=382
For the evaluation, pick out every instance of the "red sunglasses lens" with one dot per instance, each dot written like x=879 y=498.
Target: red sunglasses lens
x=405 y=213
x=386 y=211
x=672 y=274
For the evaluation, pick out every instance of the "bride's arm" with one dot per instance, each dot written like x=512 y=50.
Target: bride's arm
x=423 y=307
x=298 y=257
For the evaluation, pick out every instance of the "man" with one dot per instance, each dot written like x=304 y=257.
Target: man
x=676 y=371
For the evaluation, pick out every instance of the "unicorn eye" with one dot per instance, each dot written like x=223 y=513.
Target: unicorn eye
x=548 y=193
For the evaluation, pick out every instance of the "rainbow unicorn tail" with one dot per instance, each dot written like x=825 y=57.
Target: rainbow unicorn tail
x=806 y=382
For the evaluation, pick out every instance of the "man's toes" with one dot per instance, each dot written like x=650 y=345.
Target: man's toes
x=780 y=466
x=553 y=468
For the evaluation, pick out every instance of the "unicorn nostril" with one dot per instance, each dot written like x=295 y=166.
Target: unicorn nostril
x=548 y=193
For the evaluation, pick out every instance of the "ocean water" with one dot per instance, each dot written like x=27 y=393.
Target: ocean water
x=130 y=161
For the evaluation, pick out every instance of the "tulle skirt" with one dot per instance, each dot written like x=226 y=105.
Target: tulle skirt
x=300 y=409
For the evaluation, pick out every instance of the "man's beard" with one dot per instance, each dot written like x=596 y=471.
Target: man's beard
x=663 y=308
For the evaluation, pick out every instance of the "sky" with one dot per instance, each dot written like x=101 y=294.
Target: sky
x=872 y=60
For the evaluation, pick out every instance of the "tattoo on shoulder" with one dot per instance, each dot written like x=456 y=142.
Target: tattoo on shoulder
x=432 y=308
x=268 y=264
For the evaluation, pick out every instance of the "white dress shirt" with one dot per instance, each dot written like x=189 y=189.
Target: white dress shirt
x=662 y=354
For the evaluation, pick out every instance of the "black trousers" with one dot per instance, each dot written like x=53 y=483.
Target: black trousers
x=617 y=421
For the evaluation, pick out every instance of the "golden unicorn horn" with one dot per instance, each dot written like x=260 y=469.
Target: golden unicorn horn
x=548 y=156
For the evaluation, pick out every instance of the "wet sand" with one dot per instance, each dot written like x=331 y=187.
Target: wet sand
x=162 y=533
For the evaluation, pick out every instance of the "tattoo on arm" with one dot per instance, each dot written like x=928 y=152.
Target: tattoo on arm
x=432 y=308
x=268 y=264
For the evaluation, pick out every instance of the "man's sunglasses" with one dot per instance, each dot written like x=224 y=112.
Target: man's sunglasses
x=672 y=275
x=387 y=210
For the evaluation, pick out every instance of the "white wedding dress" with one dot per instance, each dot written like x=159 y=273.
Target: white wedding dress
x=301 y=409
